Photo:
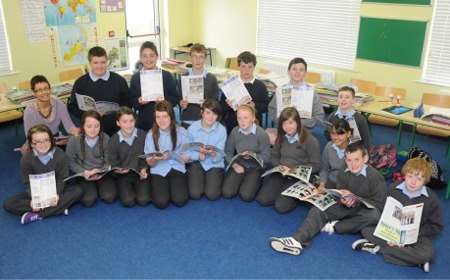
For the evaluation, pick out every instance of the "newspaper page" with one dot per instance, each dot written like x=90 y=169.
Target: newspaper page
x=234 y=89
x=247 y=159
x=195 y=146
x=307 y=192
x=398 y=223
x=300 y=172
x=172 y=155
x=43 y=189
x=87 y=103
x=192 y=88
x=305 y=96
x=151 y=85
x=356 y=136
x=284 y=97
x=358 y=200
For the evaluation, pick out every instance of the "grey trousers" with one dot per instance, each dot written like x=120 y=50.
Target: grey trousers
x=351 y=220
x=418 y=253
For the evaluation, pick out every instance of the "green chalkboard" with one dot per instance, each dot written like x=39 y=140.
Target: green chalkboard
x=391 y=40
x=408 y=2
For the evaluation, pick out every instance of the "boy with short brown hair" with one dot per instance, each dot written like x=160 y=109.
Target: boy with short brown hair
x=413 y=190
x=191 y=111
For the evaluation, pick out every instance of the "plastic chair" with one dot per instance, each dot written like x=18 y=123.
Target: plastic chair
x=70 y=74
x=364 y=85
x=385 y=91
x=231 y=63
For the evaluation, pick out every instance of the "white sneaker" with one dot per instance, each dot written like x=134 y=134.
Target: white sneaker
x=286 y=245
x=329 y=227
x=365 y=245
x=66 y=212
x=426 y=267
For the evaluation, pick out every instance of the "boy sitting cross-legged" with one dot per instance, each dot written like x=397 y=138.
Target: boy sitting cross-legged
x=417 y=172
x=346 y=216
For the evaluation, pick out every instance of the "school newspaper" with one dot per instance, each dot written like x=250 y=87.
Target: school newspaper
x=398 y=223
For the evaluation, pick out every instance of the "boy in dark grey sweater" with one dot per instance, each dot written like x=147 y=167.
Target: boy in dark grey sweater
x=347 y=216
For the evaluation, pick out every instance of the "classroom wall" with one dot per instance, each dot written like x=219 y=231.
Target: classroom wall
x=230 y=26
x=29 y=59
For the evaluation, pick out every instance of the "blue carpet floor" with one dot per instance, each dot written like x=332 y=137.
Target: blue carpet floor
x=227 y=238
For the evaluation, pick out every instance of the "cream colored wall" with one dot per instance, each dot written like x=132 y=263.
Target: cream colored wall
x=230 y=26
x=29 y=59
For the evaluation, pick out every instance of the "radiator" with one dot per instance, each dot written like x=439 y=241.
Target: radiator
x=281 y=69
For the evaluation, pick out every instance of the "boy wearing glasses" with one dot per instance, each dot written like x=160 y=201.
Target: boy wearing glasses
x=192 y=111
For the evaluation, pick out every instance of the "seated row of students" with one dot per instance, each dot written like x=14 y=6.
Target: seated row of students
x=169 y=181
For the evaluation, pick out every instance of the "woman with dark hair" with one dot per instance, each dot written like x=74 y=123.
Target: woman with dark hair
x=43 y=157
x=167 y=164
x=87 y=154
x=47 y=110
x=294 y=146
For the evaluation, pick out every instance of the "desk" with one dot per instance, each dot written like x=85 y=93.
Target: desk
x=181 y=50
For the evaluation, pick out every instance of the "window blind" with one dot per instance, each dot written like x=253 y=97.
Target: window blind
x=437 y=61
x=322 y=32
x=5 y=60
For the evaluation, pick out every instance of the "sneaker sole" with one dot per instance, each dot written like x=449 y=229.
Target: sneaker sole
x=357 y=242
x=282 y=248
x=426 y=267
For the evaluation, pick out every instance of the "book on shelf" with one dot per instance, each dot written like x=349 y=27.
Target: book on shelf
x=61 y=91
x=397 y=110
x=20 y=96
x=234 y=89
x=43 y=189
x=398 y=223
x=305 y=191
x=192 y=88
x=433 y=114
x=247 y=159
x=151 y=85
x=86 y=103
x=196 y=145
x=300 y=172
x=171 y=155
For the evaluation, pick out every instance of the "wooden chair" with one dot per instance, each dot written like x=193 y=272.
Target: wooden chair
x=25 y=85
x=231 y=63
x=8 y=115
x=385 y=91
x=364 y=85
x=70 y=74
x=312 y=77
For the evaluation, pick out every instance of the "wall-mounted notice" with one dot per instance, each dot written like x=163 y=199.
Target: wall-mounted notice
x=111 y=6
x=34 y=20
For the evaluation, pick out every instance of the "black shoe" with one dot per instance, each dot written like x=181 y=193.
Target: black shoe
x=365 y=245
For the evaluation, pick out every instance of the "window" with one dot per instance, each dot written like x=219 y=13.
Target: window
x=323 y=32
x=5 y=59
x=437 y=62
x=142 y=20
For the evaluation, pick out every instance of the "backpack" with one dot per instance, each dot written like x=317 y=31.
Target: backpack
x=437 y=176
x=383 y=156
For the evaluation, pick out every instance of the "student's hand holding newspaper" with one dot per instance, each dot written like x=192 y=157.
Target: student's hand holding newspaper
x=347 y=198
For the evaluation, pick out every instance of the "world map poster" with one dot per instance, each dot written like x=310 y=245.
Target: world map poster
x=72 y=43
x=69 y=12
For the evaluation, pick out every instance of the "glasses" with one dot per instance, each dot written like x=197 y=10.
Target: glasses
x=40 y=143
x=144 y=56
x=41 y=90
x=194 y=57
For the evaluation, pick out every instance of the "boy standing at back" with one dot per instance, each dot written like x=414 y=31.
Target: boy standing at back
x=345 y=100
x=191 y=112
x=101 y=85
x=417 y=172
x=347 y=215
